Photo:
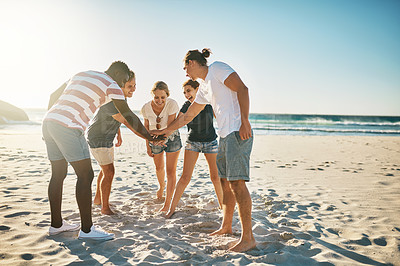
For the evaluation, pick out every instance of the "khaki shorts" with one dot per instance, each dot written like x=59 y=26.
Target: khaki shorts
x=103 y=156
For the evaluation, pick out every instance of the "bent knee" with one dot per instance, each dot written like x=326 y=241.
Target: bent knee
x=237 y=184
x=185 y=178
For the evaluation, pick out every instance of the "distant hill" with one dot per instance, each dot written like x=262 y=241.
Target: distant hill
x=10 y=112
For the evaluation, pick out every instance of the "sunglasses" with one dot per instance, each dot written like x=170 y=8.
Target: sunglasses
x=158 y=121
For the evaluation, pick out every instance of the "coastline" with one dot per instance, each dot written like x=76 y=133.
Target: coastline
x=330 y=199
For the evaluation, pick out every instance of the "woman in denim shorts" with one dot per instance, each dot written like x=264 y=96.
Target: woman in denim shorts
x=201 y=138
x=158 y=114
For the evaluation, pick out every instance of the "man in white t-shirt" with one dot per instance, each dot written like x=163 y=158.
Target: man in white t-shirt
x=71 y=108
x=222 y=87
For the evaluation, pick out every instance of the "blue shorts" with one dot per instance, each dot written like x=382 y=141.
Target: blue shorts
x=173 y=144
x=64 y=143
x=233 y=159
x=204 y=147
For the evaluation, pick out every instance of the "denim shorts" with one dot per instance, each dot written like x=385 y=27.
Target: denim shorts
x=64 y=143
x=173 y=144
x=204 y=147
x=233 y=159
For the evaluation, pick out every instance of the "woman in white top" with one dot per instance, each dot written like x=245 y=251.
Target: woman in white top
x=158 y=114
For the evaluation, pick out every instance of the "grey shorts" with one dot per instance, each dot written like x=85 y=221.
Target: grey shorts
x=173 y=144
x=204 y=147
x=233 y=159
x=64 y=143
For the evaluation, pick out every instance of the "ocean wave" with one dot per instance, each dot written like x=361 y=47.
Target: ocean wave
x=331 y=130
x=325 y=122
x=29 y=122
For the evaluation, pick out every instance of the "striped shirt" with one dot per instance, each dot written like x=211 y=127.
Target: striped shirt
x=85 y=92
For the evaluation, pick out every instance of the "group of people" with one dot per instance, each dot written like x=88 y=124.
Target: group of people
x=213 y=90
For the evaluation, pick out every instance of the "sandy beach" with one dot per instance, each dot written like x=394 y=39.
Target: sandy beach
x=329 y=200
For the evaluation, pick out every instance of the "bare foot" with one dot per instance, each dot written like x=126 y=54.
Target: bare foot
x=169 y=214
x=222 y=231
x=232 y=244
x=160 y=193
x=97 y=201
x=243 y=246
x=163 y=209
x=107 y=211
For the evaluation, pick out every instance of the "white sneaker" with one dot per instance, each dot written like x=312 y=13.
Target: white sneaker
x=65 y=227
x=96 y=233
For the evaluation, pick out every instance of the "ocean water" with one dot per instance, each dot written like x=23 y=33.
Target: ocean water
x=296 y=124
x=269 y=124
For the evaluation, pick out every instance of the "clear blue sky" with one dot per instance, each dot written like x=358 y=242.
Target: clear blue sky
x=311 y=56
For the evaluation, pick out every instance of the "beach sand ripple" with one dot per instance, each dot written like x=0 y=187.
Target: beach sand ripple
x=316 y=200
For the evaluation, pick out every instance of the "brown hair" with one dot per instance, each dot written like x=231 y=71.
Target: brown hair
x=192 y=83
x=195 y=55
x=160 y=85
x=131 y=75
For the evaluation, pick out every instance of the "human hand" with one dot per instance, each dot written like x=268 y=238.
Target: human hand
x=245 y=130
x=158 y=132
x=159 y=140
x=119 y=141
x=149 y=152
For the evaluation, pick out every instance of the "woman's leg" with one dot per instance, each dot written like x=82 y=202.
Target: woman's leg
x=160 y=172
x=105 y=186
x=189 y=162
x=212 y=165
x=172 y=161
x=97 y=196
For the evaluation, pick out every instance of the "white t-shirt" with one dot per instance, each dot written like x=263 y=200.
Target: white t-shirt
x=85 y=92
x=224 y=101
x=171 y=107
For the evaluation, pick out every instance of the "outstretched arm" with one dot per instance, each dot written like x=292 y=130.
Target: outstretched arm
x=132 y=121
x=122 y=120
x=56 y=94
x=234 y=83
x=193 y=110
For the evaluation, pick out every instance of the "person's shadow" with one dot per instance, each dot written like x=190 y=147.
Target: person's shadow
x=282 y=225
x=93 y=252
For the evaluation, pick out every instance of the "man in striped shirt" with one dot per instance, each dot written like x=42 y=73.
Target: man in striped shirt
x=71 y=108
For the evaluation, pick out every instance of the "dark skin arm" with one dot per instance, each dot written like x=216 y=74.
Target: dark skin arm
x=122 y=120
x=133 y=121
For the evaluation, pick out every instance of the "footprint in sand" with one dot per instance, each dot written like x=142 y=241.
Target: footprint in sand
x=333 y=231
x=304 y=236
x=13 y=188
x=364 y=241
x=384 y=183
x=286 y=235
x=17 y=214
x=380 y=241
x=27 y=256
x=330 y=208
x=4 y=228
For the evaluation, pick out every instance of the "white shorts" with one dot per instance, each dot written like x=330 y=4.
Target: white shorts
x=103 y=156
